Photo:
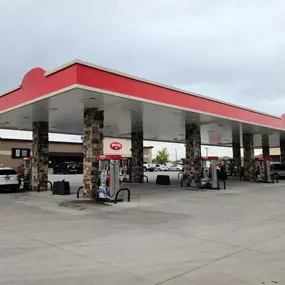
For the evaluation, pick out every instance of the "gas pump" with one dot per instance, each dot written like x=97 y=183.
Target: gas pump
x=262 y=171
x=209 y=178
x=126 y=169
x=109 y=166
x=24 y=172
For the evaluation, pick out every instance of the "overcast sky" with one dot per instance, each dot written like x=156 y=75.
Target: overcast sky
x=226 y=49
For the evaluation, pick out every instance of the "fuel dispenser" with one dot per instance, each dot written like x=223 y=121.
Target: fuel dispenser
x=126 y=169
x=209 y=176
x=262 y=171
x=109 y=185
x=24 y=173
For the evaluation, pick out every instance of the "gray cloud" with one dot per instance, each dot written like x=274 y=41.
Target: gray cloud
x=231 y=50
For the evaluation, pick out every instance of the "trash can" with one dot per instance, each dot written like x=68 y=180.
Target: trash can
x=162 y=180
x=61 y=188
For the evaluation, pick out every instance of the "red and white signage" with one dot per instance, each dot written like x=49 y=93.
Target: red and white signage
x=109 y=157
x=115 y=145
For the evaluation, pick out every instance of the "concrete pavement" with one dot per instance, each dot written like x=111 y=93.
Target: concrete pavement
x=166 y=235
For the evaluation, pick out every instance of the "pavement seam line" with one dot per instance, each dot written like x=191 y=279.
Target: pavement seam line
x=221 y=243
x=186 y=236
x=219 y=259
x=77 y=254
x=269 y=239
x=199 y=267
x=44 y=242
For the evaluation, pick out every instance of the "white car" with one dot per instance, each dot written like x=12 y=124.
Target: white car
x=148 y=167
x=9 y=179
x=176 y=167
x=161 y=167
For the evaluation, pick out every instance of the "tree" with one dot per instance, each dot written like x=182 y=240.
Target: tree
x=162 y=156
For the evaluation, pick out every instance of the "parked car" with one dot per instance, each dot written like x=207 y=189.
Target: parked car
x=277 y=170
x=161 y=167
x=148 y=167
x=66 y=168
x=80 y=168
x=9 y=180
x=175 y=167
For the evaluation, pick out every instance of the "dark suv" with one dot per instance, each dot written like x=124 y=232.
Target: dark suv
x=80 y=168
x=66 y=168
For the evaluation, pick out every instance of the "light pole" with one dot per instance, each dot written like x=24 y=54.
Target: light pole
x=175 y=154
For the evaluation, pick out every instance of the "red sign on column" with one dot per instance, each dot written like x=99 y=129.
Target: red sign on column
x=115 y=145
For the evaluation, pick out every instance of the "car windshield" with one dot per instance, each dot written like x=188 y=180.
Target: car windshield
x=8 y=172
x=278 y=167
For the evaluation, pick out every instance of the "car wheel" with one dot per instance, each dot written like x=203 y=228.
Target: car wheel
x=158 y=169
x=177 y=169
x=276 y=176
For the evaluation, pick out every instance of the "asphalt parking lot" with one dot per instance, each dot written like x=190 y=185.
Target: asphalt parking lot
x=165 y=235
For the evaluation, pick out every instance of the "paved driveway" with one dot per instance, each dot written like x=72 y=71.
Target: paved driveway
x=164 y=236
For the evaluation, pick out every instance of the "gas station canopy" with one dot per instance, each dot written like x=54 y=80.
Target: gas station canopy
x=61 y=96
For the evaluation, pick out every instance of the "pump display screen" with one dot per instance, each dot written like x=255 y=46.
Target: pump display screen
x=21 y=152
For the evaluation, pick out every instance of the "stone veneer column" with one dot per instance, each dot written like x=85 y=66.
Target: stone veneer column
x=192 y=163
x=248 y=153
x=92 y=147
x=137 y=156
x=236 y=150
x=40 y=154
x=282 y=148
x=265 y=146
